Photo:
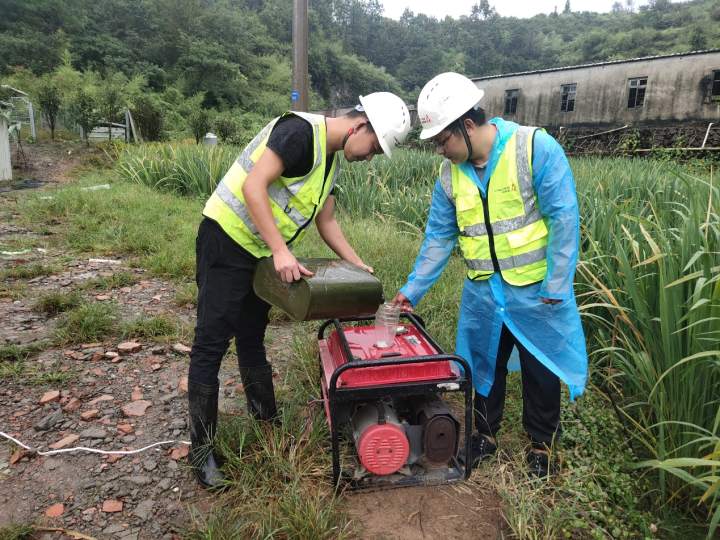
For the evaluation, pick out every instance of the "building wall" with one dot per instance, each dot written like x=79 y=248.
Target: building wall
x=678 y=90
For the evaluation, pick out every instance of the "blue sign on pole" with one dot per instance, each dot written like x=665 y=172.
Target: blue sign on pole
x=294 y=95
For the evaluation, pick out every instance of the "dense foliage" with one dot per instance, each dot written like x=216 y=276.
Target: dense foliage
x=236 y=52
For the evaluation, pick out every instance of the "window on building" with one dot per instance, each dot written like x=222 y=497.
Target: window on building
x=636 y=94
x=716 y=84
x=567 y=102
x=511 y=99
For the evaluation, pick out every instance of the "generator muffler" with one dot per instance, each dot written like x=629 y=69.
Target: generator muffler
x=440 y=429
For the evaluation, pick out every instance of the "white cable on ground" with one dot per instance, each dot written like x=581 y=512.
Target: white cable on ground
x=85 y=449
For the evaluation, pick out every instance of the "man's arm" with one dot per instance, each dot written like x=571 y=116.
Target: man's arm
x=555 y=187
x=269 y=168
x=441 y=235
x=332 y=234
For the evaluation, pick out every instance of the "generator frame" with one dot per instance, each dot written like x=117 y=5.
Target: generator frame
x=335 y=396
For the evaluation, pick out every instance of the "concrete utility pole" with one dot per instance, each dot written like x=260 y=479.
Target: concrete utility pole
x=5 y=166
x=300 y=87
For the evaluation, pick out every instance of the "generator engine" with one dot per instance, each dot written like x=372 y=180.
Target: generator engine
x=388 y=402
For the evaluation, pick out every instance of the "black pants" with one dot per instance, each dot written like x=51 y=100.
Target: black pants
x=227 y=305
x=540 y=391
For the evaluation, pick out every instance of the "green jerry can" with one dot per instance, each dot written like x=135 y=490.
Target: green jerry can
x=336 y=289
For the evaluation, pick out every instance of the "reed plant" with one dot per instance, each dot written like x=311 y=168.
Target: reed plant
x=650 y=289
x=184 y=169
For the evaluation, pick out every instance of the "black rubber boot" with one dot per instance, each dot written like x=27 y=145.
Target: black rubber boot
x=540 y=464
x=259 y=391
x=481 y=448
x=203 y=406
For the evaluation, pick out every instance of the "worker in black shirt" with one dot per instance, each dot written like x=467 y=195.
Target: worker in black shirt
x=280 y=183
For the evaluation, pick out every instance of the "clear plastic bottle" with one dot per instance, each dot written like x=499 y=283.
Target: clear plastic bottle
x=386 y=322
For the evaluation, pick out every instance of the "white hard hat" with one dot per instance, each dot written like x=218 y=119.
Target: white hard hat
x=389 y=117
x=444 y=99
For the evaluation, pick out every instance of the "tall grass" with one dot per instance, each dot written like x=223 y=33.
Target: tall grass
x=651 y=282
x=398 y=187
x=184 y=169
x=279 y=486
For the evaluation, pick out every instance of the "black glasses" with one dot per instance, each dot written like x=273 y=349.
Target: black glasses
x=441 y=143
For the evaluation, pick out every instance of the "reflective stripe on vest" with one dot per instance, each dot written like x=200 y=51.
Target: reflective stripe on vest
x=293 y=201
x=519 y=232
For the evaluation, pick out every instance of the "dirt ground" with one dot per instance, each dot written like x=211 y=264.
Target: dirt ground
x=455 y=511
x=126 y=396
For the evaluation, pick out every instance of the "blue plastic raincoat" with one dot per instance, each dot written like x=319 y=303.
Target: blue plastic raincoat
x=551 y=333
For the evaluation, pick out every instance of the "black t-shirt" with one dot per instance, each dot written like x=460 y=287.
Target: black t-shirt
x=292 y=139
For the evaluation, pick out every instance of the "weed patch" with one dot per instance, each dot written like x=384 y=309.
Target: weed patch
x=17 y=532
x=186 y=294
x=56 y=302
x=87 y=323
x=115 y=281
x=27 y=271
x=161 y=326
x=18 y=353
x=279 y=482
x=30 y=373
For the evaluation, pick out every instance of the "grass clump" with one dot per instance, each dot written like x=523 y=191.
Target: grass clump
x=87 y=322
x=186 y=294
x=594 y=481
x=27 y=271
x=17 y=532
x=161 y=326
x=116 y=280
x=57 y=302
x=13 y=291
x=279 y=486
x=18 y=353
x=31 y=373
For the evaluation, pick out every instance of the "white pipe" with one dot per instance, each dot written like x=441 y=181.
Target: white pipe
x=91 y=450
x=707 y=133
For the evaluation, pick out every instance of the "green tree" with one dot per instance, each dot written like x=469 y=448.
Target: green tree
x=698 y=40
x=83 y=110
x=147 y=113
x=111 y=101
x=50 y=101
x=199 y=123
x=567 y=9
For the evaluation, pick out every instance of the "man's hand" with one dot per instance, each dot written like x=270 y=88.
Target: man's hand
x=403 y=302
x=288 y=267
x=551 y=301
x=364 y=266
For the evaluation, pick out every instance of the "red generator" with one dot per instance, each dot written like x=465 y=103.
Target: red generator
x=387 y=404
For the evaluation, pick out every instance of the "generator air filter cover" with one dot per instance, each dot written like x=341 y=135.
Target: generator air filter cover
x=383 y=448
x=380 y=439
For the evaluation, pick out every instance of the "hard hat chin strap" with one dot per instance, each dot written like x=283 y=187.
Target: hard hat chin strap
x=467 y=140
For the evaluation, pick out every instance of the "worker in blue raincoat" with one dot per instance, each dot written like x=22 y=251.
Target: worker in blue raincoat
x=506 y=194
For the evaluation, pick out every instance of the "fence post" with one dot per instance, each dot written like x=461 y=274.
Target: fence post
x=31 y=112
x=5 y=165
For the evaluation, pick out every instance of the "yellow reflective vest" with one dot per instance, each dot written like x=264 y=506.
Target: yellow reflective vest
x=503 y=231
x=294 y=201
